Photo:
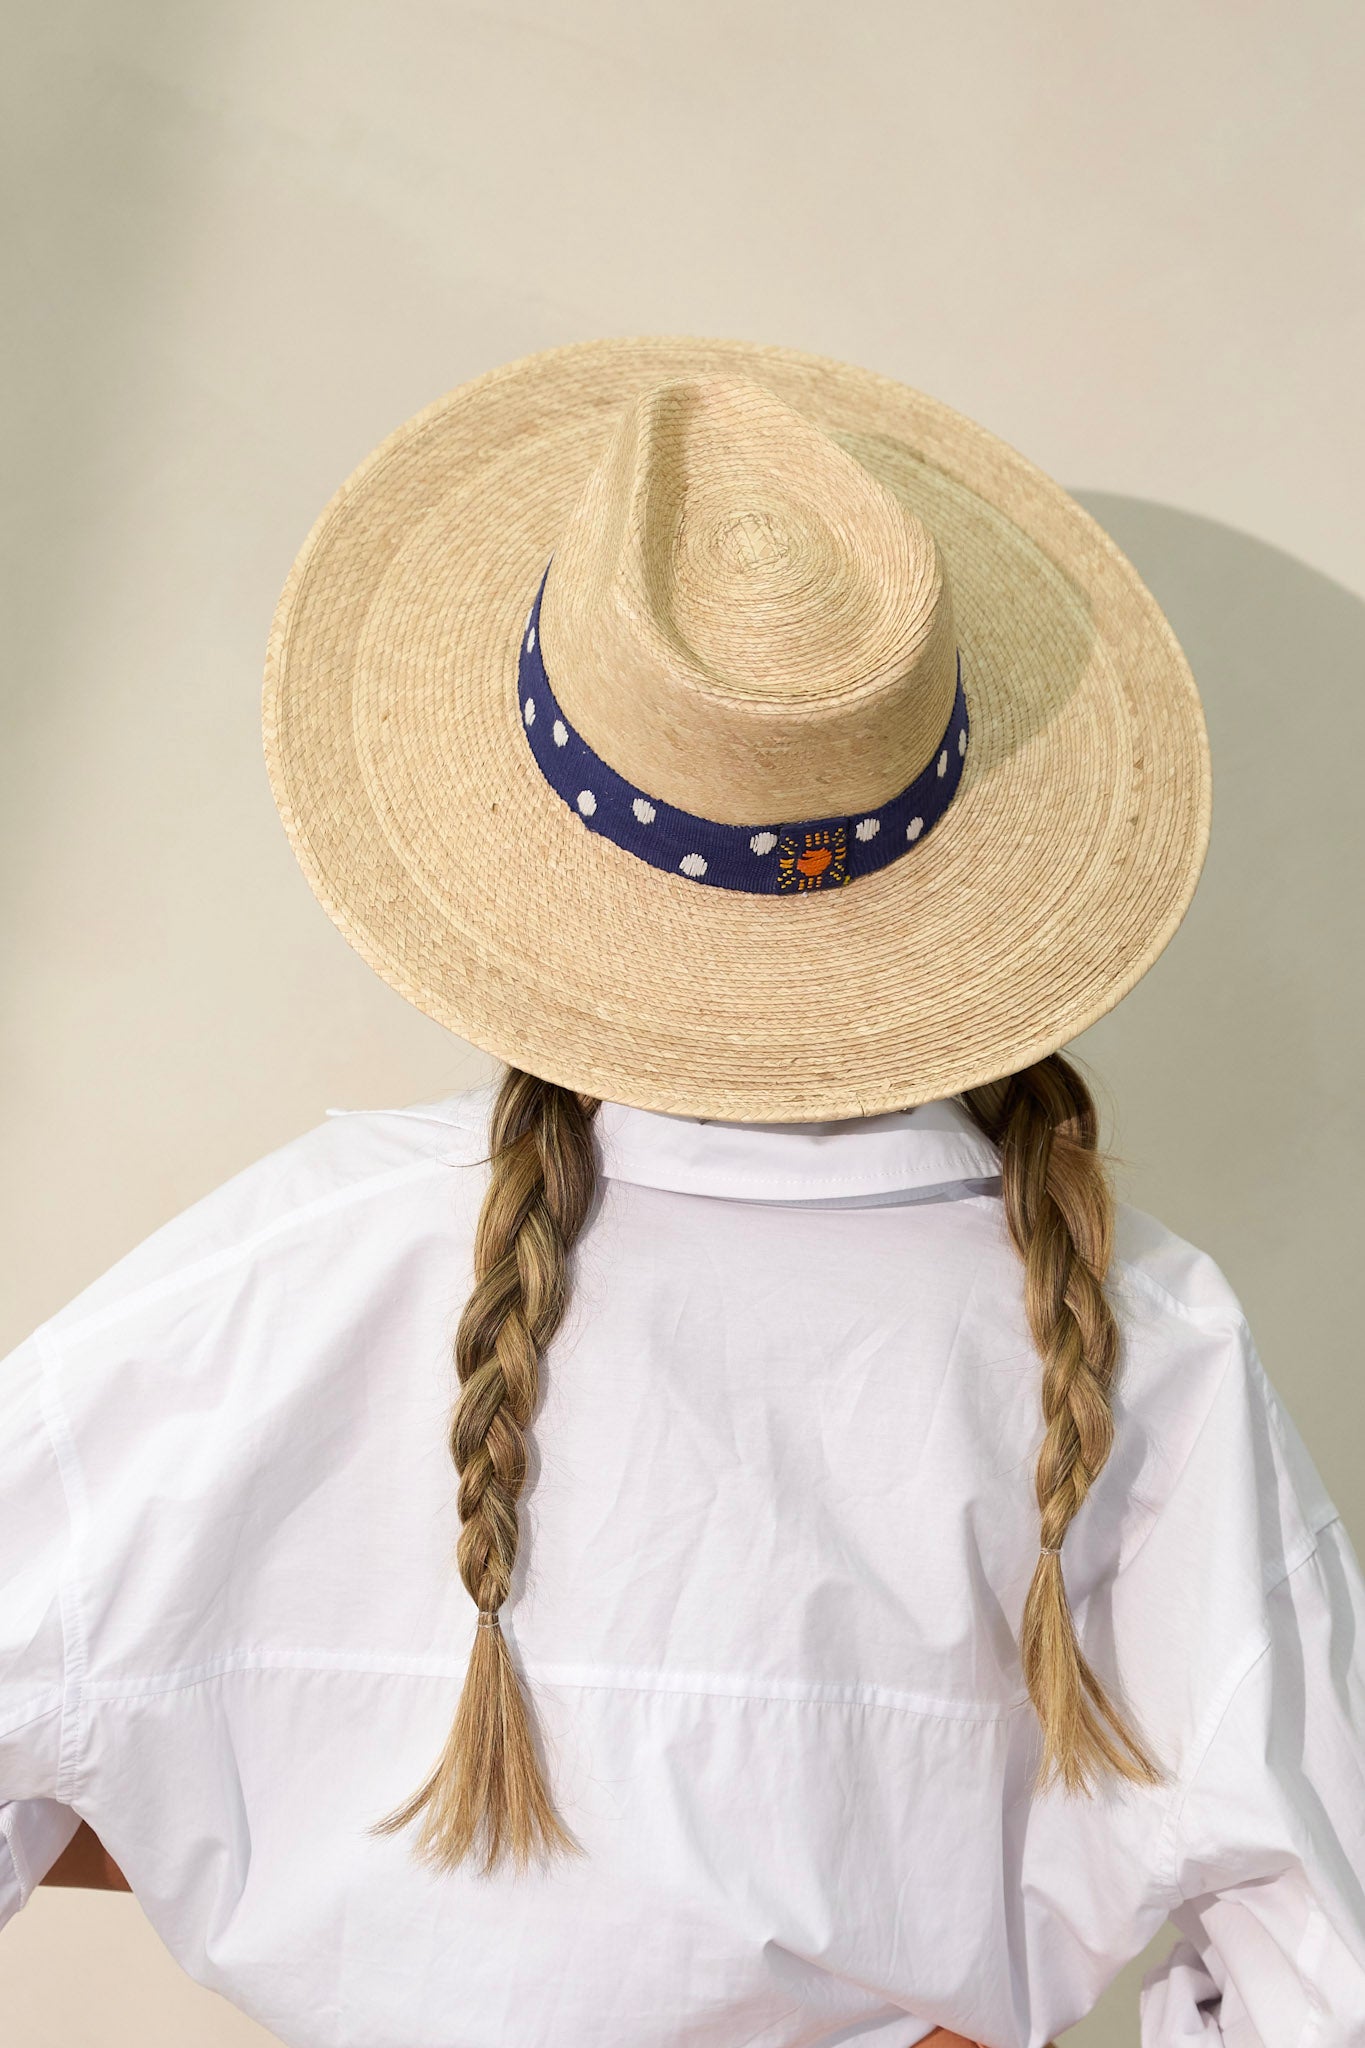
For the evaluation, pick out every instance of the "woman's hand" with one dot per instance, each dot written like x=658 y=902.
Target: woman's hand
x=86 y=1862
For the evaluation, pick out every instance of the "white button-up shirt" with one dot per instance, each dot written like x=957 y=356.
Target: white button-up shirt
x=776 y=1541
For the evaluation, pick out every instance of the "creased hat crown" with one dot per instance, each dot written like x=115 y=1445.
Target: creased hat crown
x=743 y=620
x=746 y=624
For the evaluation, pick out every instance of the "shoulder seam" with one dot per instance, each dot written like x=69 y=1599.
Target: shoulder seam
x=18 y=1862
x=1239 y=1671
x=30 y=1714
x=468 y=1126
x=228 y=1256
x=1233 y=1315
x=75 y=1645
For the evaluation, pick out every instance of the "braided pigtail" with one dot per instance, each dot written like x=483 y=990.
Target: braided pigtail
x=1060 y=1214
x=488 y=1792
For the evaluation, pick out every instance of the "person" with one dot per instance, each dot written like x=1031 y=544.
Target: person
x=886 y=1587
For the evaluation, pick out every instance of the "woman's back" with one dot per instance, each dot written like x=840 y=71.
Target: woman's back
x=777 y=1536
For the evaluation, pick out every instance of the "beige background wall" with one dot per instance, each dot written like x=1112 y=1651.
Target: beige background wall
x=247 y=237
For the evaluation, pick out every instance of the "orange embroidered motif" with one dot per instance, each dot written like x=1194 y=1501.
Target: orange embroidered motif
x=813 y=860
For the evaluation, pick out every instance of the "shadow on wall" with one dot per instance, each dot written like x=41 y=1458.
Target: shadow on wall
x=1234 y=1066
x=1231 y=1071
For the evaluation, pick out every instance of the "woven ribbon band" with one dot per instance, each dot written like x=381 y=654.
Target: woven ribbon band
x=770 y=858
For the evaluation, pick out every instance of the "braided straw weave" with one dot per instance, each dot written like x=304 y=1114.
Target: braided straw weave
x=763 y=565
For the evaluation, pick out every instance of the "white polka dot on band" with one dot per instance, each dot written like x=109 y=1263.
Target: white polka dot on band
x=781 y=857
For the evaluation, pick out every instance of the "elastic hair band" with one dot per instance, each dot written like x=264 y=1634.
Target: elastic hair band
x=488 y=1617
x=1051 y=1549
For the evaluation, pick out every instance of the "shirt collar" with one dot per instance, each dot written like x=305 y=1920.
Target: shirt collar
x=901 y=1155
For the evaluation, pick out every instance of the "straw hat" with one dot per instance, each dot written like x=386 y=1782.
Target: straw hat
x=732 y=732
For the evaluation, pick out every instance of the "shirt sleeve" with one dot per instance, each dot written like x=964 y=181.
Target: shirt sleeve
x=34 y=1537
x=1269 y=1849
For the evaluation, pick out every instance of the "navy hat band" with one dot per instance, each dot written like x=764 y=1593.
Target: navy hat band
x=771 y=858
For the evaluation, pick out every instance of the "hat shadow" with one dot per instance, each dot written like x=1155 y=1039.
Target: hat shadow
x=1232 y=1070
x=1230 y=1073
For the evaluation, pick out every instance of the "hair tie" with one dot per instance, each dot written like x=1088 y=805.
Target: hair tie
x=1051 y=1549
x=488 y=1617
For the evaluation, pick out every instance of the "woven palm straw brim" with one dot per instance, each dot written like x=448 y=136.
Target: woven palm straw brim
x=414 y=804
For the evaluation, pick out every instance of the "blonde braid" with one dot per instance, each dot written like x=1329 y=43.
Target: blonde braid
x=1060 y=1214
x=488 y=1791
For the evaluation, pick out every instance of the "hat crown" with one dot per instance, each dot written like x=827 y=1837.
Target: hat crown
x=742 y=620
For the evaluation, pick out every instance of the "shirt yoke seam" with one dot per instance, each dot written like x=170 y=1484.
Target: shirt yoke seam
x=115 y=1692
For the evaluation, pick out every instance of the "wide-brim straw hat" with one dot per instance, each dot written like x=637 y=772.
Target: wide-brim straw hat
x=843 y=763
